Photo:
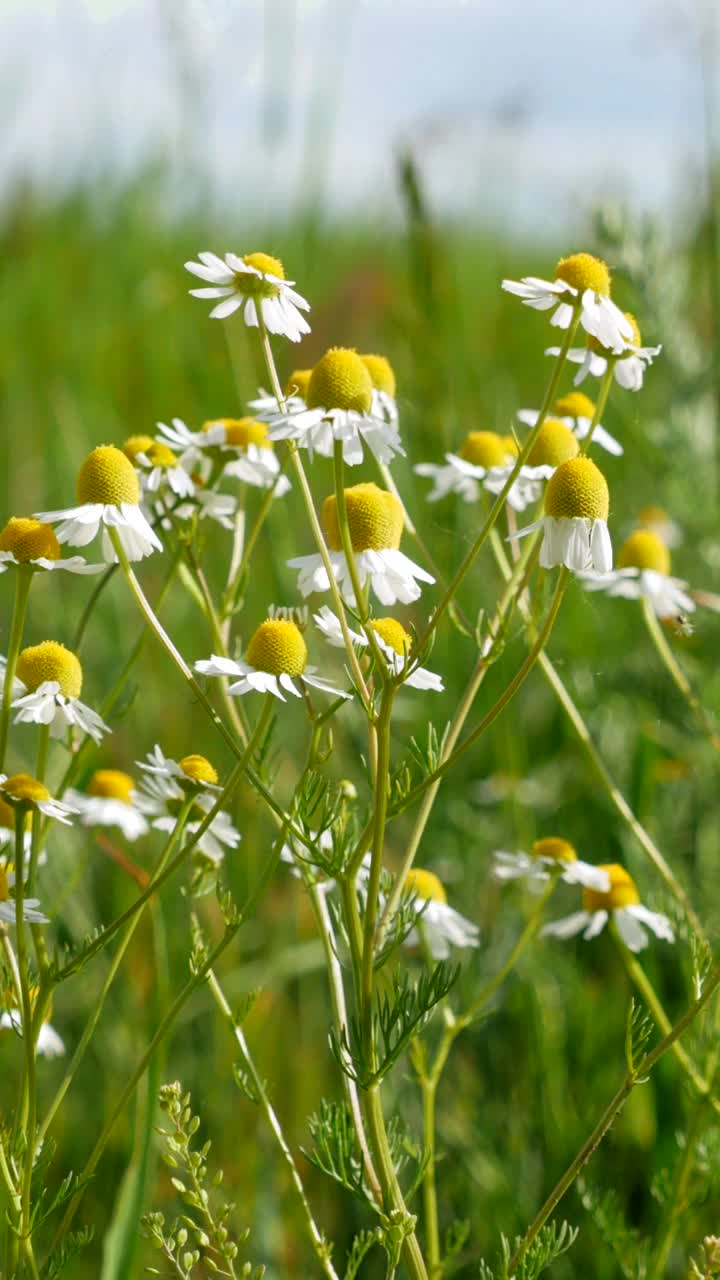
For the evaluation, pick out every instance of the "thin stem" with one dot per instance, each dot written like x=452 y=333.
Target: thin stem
x=608 y=1116
x=367 y=972
x=676 y=673
x=319 y=1244
x=533 y=924
x=23 y=582
x=603 y=394
x=30 y=1084
x=100 y=585
x=349 y=553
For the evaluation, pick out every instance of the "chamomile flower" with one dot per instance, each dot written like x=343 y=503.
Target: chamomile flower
x=629 y=362
x=644 y=573
x=165 y=788
x=247 y=452
x=439 y=923
x=394 y=642
x=255 y=282
x=622 y=902
x=51 y=677
x=576 y=410
x=339 y=407
x=25 y=794
x=265 y=406
x=575 y=531
x=48 y=1044
x=582 y=283
x=161 y=472
x=549 y=856
x=108 y=491
x=30 y=544
x=382 y=374
x=375 y=521
x=484 y=463
x=276 y=656
x=110 y=801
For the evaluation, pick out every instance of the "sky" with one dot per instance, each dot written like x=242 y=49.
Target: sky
x=521 y=111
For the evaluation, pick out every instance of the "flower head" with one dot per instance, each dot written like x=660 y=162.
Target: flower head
x=575 y=532
x=577 y=411
x=384 y=386
x=552 y=855
x=485 y=461
x=393 y=640
x=108 y=491
x=621 y=901
x=51 y=678
x=555 y=443
x=644 y=573
x=440 y=924
x=27 y=541
x=629 y=360
x=276 y=656
x=161 y=472
x=23 y=793
x=168 y=785
x=581 y=286
x=255 y=282
x=110 y=801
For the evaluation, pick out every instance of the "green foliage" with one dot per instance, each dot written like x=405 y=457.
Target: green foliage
x=550 y=1243
x=631 y=1252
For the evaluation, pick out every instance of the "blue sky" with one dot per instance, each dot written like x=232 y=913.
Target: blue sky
x=523 y=111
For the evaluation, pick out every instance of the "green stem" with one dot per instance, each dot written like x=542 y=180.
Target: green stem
x=391 y=1187
x=367 y=972
x=616 y=1103
x=603 y=394
x=677 y=675
x=23 y=582
x=319 y=1244
x=29 y=1110
x=533 y=924
x=349 y=553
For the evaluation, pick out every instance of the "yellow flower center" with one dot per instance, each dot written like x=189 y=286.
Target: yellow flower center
x=484 y=449
x=198 y=769
x=510 y=446
x=160 y=455
x=107 y=476
x=50 y=661
x=23 y=790
x=7 y=815
x=278 y=648
x=29 y=539
x=622 y=891
x=375 y=519
x=577 y=489
x=555 y=443
x=340 y=381
x=4 y=886
x=644 y=550
x=425 y=884
x=574 y=405
x=382 y=373
x=393 y=633
x=137 y=444
x=240 y=432
x=554 y=847
x=257 y=286
x=298 y=383
x=112 y=784
x=636 y=339
x=583 y=271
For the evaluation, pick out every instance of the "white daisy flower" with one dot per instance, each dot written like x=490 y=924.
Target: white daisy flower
x=393 y=640
x=484 y=463
x=242 y=446
x=51 y=678
x=22 y=792
x=276 y=657
x=622 y=902
x=109 y=492
x=109 y=802
x=583 y=282
x=441 y=926
x=548 y=856
x=251 y=282
x=384 y=403
x=161 y=473
x=265 y=404
x=575 y=531
x=644 y=573
x=375 y=519
x=629 y=364
x=29 y=544
x=576 y=410
x=339 y=402
x=31 y=912
x=164 y=789
x=49 y=1044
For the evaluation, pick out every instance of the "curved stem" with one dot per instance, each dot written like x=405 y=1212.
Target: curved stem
x=23 y=582
x=676 y=673
x=29 y=1110
x=603 y=394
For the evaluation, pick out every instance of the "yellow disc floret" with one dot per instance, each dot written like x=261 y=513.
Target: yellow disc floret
x=583 y=271
x=510 y=446
x=375 y=519
x=258 y=286
x=298 y=383
x=554 y=847
x=109 y=477
x=382 y=373
x=278 y=648
x=636 y=339
x=484 y=449
x=574 y=405
x=555 y=443
x=4 y=886
x=7 y=815
x=340 y=381
x=394 y=634
x=29 y=539
x=23 y=791
x=265 y=263
x=425 y=884
x=622 y=891
x=112 y=784
x=160 y=455
x=137 y=444
x=50 y=661
x=198 y=769
x=577 y=489
x=240 y=432
x=644 y=550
